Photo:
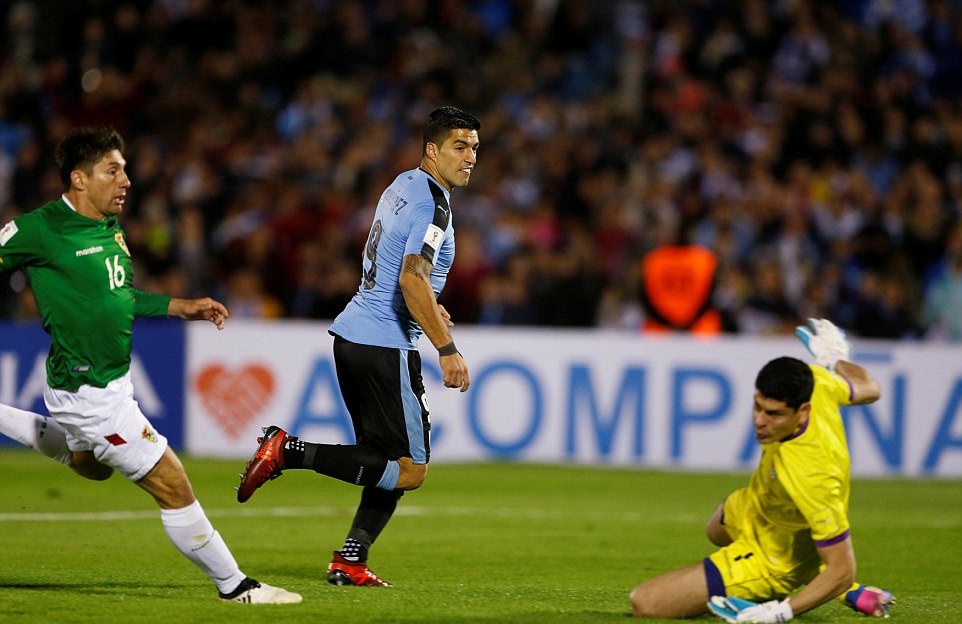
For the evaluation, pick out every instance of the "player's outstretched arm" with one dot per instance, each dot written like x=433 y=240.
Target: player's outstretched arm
x=831 y=349
x=202 y=309
x=865 y=388
x=836 y=575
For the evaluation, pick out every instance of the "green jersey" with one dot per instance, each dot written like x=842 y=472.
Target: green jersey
x=82 y=279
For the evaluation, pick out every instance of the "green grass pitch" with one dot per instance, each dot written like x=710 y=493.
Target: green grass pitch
x=488 y=543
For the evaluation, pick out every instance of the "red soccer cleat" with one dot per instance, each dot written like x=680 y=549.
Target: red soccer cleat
x=343 y=572
x=266 y=463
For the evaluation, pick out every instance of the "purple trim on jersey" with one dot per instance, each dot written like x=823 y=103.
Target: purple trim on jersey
x=797 y=433
x=833 y=540
x=851 y=390
x=713 y=578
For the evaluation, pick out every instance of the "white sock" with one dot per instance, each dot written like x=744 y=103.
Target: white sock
x=36 y=431
x=193 y=535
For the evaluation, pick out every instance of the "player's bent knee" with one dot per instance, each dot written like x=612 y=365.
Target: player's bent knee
x=717 y=535
x=95 y=473
x=412 y=475
x=715 y=529
x=168 y=483
x=639 y=603
x=86 y=465
x=648 y=602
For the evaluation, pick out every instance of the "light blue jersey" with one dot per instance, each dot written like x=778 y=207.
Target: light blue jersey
x=413 y=216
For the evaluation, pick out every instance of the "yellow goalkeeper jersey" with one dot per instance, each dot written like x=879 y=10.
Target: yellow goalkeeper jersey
x=798 y=496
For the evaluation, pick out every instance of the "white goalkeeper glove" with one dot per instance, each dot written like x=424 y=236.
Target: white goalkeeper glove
x=825 y=341
x=873 y=601
x=738 y=610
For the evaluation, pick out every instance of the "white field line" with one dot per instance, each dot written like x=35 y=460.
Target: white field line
x=646 y=517
x=297 y=512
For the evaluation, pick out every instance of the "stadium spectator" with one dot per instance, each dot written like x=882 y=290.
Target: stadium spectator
x=81 y=272
x=606 y=116
x=788 y=530
x=884 y=308
x=942 y=301
x=247 y=297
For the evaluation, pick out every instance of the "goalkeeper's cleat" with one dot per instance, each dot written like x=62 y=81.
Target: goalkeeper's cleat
x=251 y=592
x=873 y=601
x=343 y=572
x=265 y=464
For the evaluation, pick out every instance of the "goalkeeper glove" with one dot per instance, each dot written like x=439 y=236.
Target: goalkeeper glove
x=825 y=341
x=738 y=610
x=869 y=600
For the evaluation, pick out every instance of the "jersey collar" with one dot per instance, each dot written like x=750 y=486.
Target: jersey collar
x=108 y=222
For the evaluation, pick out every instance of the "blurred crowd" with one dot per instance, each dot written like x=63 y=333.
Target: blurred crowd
x=815 y=147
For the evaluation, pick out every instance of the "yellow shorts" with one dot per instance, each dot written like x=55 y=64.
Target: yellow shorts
x=746 y=570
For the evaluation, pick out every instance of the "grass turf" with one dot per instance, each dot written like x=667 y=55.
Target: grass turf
x=498 y=543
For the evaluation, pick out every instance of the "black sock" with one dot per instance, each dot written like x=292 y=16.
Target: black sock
x=375 y=509
x=353 y=463
x=353 y=550
x=294 y=452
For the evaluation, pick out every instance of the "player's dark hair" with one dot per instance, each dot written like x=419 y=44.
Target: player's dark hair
x=443 y=120
x=83 y=148
x=786 y=379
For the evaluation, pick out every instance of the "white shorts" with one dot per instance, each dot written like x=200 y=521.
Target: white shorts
x=108 y=421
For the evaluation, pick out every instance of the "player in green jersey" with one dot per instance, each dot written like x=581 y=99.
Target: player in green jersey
x=74 y=254
x=784 y=540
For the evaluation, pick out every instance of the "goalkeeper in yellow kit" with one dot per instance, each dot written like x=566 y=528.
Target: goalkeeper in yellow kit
x=785 y=539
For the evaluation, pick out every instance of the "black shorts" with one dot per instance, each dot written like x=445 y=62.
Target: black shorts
x=384 y=393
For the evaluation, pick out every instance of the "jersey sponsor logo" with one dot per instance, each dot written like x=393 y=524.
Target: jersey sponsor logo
x=433 y=236
x=119 y=237
x=89 y=250
x=7 y=232
x=426 y=407
x=443 y=209
x=149 y=434
x=825 y=522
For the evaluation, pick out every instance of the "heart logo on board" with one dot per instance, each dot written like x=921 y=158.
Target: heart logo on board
x=235 y=397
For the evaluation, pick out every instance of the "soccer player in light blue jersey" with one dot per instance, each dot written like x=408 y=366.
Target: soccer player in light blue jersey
x=406 y=260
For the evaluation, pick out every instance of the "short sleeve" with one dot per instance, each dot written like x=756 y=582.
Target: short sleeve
x=19 y=243
x=150 y=304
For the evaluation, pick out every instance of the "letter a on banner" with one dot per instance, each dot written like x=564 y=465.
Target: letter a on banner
x=322 y=390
